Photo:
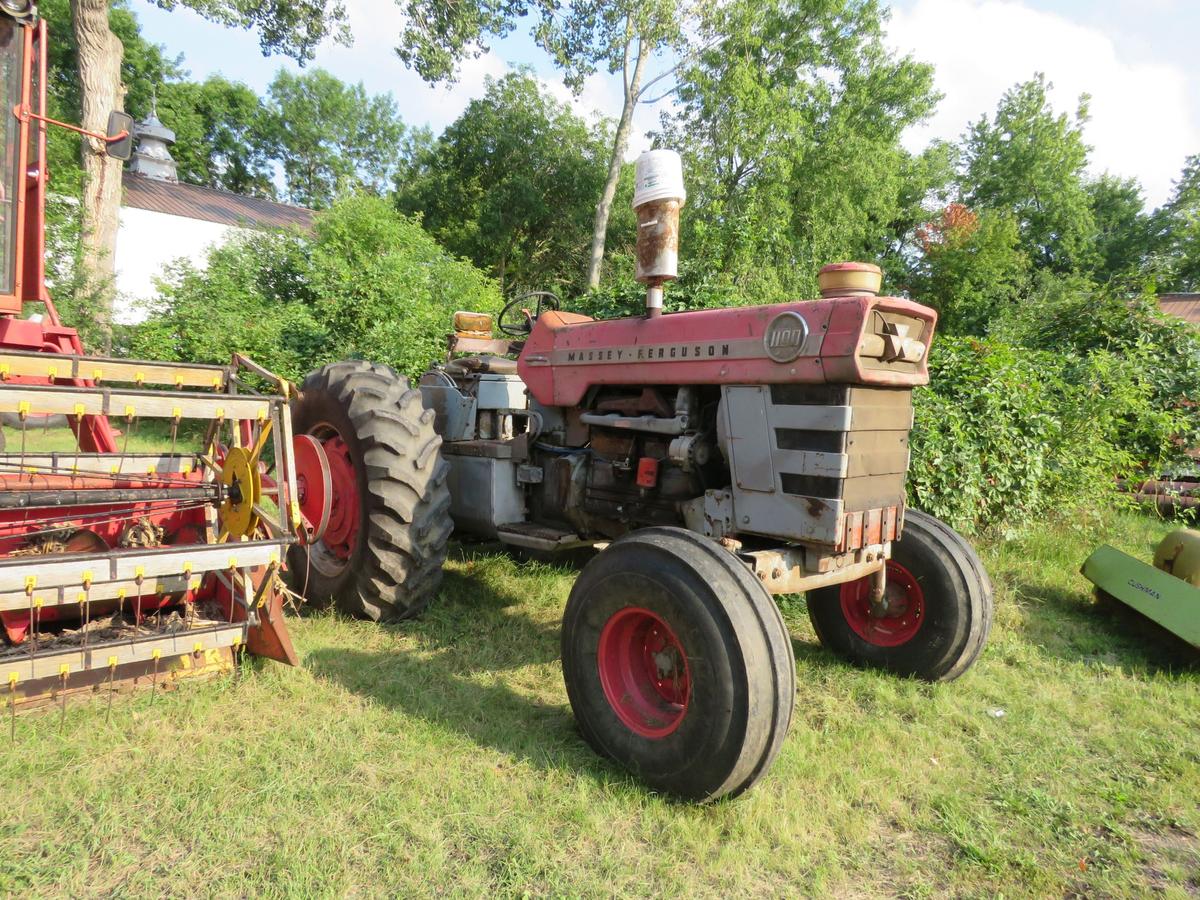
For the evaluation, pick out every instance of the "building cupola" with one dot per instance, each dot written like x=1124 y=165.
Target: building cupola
x=152 y=155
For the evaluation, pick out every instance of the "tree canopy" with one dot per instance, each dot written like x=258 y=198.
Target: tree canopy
x=511 y=184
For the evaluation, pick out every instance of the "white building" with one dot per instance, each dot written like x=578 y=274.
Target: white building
x=163 y=220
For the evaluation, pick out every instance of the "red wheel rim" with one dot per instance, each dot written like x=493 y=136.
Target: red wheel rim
x=314 y=483
x=893 y=622
x=332 y=553
x=644 y=672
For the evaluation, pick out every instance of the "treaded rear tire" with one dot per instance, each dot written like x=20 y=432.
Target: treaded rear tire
x=395 y=566
x=740 y=667
x=958 y=607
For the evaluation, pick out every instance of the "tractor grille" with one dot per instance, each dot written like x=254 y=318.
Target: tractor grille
x=818 y=463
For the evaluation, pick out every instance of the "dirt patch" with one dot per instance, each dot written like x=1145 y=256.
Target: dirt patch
x=1170 y=848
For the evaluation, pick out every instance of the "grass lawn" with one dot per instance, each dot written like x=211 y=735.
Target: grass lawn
x=440 y=757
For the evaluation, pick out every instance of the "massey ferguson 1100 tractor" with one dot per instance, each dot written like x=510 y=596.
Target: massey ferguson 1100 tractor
x=716 y=456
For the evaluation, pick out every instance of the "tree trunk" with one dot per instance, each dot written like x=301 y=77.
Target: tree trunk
x=100 y=55
x=620 y=143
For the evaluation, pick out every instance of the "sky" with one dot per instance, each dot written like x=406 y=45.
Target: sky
x=1135 y=58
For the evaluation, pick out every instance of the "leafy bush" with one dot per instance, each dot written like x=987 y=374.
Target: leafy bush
x=1004 y=434
x=368 y=283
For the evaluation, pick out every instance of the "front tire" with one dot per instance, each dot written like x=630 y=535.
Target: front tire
x=382 y=553
x=938 y=607
x=677 y=664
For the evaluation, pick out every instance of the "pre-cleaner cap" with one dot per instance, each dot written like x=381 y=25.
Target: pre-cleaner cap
x=658 y=175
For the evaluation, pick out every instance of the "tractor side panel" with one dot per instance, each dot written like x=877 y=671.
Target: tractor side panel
x=822 y=464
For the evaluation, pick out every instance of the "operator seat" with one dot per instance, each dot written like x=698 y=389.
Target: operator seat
x=473 y=335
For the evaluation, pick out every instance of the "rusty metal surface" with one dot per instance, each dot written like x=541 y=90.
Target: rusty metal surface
x=793 y=570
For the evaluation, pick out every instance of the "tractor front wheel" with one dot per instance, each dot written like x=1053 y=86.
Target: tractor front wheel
x=677 y=664
x=936 y=611
x=382 y=551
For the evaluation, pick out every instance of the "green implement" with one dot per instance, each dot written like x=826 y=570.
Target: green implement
x=1162 y=597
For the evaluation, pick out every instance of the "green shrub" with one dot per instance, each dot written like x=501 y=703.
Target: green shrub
x=1004 y=434
x=368 y=283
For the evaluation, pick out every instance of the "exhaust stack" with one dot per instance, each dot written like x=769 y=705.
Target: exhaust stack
x=658 y=195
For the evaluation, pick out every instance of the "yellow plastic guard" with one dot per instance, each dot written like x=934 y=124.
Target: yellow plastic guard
x=23 y=408
x=52 y=372
x=13 y=678
x=156 y=654
x=79 y=410
x=87 y=578
x=112 y=662
x=64 y=670
x=129 y=413
x=97 y=375
x=197 y=647
x=30 y=583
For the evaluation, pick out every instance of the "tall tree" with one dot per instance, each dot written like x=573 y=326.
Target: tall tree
x=791 y=122
x=1124 y=239
x=330 y=136
x=1029 y=162
x=583 y=36
x=1178 y=224
x=291 y=27
x=511 y=184
x=219 y=139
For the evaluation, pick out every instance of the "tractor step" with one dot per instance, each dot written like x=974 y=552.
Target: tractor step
x=531 y=536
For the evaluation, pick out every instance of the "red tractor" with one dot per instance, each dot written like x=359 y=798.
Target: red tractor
x=716 y=456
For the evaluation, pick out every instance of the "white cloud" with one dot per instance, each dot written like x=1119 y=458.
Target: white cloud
x=1141 y=120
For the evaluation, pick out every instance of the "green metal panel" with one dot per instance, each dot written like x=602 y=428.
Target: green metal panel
x=1172 y=603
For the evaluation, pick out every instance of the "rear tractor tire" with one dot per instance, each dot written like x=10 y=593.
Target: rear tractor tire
x=937 y=611
x=382 y=552
x=677 y=664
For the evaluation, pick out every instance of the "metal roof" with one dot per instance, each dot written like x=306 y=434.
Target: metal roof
x=1185 y=306
x=211 y=205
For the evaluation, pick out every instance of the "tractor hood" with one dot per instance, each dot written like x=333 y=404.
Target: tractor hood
x=843 y=340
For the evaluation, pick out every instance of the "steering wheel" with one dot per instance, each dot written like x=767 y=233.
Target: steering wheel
x=545 y=300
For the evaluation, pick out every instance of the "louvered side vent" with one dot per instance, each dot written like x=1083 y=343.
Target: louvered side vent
x=818 y=463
